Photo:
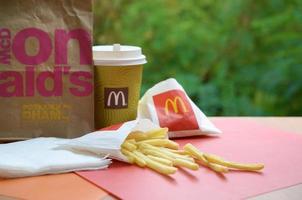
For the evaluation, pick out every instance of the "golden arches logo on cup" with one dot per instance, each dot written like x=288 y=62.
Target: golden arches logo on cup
x=175 y=111
x=180 y=107
x=116 y=97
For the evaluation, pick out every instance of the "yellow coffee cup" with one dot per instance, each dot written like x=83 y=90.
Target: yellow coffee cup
x=117 y=77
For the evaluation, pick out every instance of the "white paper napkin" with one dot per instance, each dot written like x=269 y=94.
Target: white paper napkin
x=42 y=156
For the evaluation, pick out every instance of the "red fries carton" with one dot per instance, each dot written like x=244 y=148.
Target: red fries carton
x=168 y=105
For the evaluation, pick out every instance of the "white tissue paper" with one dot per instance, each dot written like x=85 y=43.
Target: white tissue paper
x=168 y=105
x=109 y=141
x=42 y=156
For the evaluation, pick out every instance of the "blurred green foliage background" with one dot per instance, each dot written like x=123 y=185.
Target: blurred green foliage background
x=232 y=57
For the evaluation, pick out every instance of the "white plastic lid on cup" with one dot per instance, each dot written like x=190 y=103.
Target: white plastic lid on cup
x=117 y=55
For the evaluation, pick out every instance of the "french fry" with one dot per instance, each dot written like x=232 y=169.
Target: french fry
x=185 y=163
x=194 y=152
x=143 y=146
x=154 y=142
x=132 y=141
x=174 y=155
x=161 y=168
x=171 y=144
x=156 y=151
x=157 y=154
x=128 y=155
x=180 y=152
x=162 y=152
x=141 y=157
x=213 y=166
x=161 y=143
x=129 y=146
x=218 y=168
x=133 y=158
x=161 y=160
x=241 y=166
x=138 y=160
x=137 y=136
x=160 y=133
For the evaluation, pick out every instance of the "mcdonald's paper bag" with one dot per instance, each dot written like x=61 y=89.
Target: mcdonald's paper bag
x=108 y=141
x=46 y=69
x=168 y=105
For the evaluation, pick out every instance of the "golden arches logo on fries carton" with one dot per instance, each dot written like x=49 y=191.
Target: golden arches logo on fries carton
x=175 y=106
x=174 y=111
x=168 y=105
x=144 y=144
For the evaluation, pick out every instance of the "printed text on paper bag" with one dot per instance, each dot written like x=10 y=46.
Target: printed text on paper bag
x=31 y=82
x=49 y=112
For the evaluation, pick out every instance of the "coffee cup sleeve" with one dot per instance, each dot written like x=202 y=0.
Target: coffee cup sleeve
x=168 y=105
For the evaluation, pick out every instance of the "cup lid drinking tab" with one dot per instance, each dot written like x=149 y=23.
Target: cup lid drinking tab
x=118 y=55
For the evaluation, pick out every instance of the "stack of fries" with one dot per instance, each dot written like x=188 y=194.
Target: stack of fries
x=152 y=149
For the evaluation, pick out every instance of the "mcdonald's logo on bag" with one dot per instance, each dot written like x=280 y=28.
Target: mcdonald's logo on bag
x=116 y=97
x=174 y=111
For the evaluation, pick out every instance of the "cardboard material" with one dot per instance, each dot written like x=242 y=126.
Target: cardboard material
x=46 y=74
x=241 y=141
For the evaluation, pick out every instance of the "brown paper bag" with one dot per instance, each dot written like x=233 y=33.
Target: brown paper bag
x=46 y=73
